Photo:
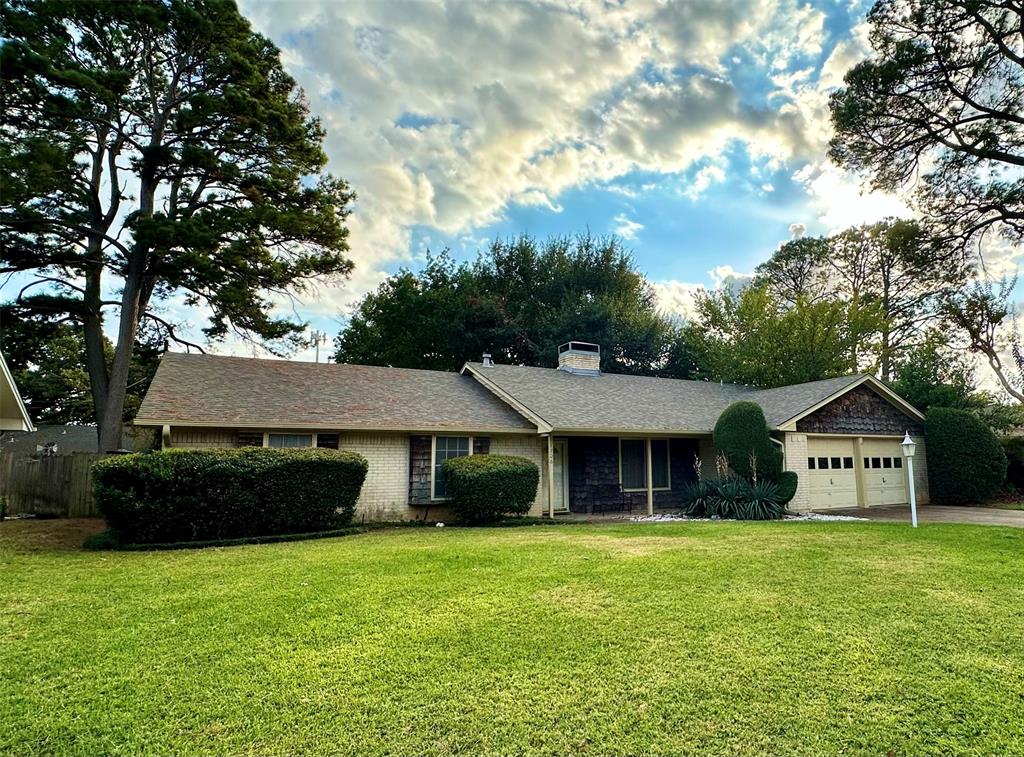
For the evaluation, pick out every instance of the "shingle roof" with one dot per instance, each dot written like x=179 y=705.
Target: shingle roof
x=249 y=392
x=616 y=402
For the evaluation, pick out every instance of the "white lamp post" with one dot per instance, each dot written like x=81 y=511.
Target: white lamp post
x=908 y=452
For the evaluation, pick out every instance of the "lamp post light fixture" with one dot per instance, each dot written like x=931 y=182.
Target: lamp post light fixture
x=908 y=452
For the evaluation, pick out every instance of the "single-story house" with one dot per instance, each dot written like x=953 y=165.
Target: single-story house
x=604 y=442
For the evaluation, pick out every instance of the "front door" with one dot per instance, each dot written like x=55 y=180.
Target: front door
x=561 y=475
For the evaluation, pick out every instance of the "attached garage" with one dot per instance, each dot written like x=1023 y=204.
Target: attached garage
x=831 y=472
x=846 y=449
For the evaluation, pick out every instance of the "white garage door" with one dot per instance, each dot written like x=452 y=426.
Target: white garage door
x=885 y=481
x=831 y=473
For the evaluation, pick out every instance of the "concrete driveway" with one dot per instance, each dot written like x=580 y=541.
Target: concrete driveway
x=982 y=516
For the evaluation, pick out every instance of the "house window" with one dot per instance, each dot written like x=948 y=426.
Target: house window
x=633 y=464
x=327 y=441
x=810 y=463
x=445 y=448
x=897 y=462
x=847 y=463
x=249 y=439
x=287 y=441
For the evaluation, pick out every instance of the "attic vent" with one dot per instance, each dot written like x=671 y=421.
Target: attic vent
x=580 y=357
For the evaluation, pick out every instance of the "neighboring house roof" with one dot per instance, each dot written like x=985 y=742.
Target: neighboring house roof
x=559 y=401
x=209 y=390
x=13 y=414
x=67 y=439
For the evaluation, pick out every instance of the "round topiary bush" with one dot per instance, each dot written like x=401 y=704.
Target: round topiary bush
x=485 y=488
x=205 y=495
x=966 y=463
x=741 y=436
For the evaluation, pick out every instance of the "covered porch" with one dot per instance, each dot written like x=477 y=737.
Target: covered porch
x=629 y=473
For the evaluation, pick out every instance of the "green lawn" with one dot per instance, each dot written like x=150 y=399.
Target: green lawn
x=726 y=638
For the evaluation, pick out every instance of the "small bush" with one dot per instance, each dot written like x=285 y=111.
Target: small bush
x=485 y=488
x=1014 y=448
x=201 y=495
x=741 y=436
x=787 y=483
x=734 y=498
x=966 y=463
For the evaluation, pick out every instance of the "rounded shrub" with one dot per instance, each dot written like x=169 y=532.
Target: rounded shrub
x=203 y=495
x=966 y=463
x=485 y=488
x=786 y=484
x=741 y=436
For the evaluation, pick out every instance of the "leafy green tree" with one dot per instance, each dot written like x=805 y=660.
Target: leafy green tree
x=155 y=148
x=940 y=103
x=753 y=338
x=519 y=300
x=797 y=271
x=932 y=374
x=47 y=357
x=891 y=264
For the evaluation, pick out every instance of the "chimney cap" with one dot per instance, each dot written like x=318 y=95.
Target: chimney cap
x=487 y=361
x=579 y=347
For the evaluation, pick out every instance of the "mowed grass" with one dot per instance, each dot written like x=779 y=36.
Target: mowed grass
x=703 y=638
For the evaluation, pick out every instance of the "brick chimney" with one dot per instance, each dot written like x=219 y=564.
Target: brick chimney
x=580 y=357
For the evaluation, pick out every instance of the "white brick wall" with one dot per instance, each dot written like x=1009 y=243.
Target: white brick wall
x=533 y=448
x=796 y=461
x=385 y=494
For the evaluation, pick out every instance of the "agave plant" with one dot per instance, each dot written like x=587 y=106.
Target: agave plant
x=695 y=498
x=763 y=502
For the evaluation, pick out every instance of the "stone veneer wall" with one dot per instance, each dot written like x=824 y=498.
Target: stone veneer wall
x=859 y=411
x=594 y=475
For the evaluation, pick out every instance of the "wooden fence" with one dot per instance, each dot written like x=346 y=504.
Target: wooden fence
x=59 y=485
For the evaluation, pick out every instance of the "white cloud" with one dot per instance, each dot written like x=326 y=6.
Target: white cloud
x=443 y=115
x=797 y=230
x=840 y=201
x=626 y=227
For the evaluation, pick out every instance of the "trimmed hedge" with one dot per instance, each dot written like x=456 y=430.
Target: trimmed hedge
x=485 y=488
x=1014 y=448
x=741 y=430
x=966 y=462
x=206 y=495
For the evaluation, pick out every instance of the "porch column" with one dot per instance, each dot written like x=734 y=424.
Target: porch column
x=551 y=476
x=650 y=478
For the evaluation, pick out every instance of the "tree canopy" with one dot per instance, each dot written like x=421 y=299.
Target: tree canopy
x=941 y=100
x=752 y=337
x=152 y=149
x=892 y=265
x=519 y=300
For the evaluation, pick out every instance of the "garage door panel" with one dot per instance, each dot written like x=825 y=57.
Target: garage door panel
x=885 y=480
x=831 y=473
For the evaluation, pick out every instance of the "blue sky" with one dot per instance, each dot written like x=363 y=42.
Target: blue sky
x=697 y=131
